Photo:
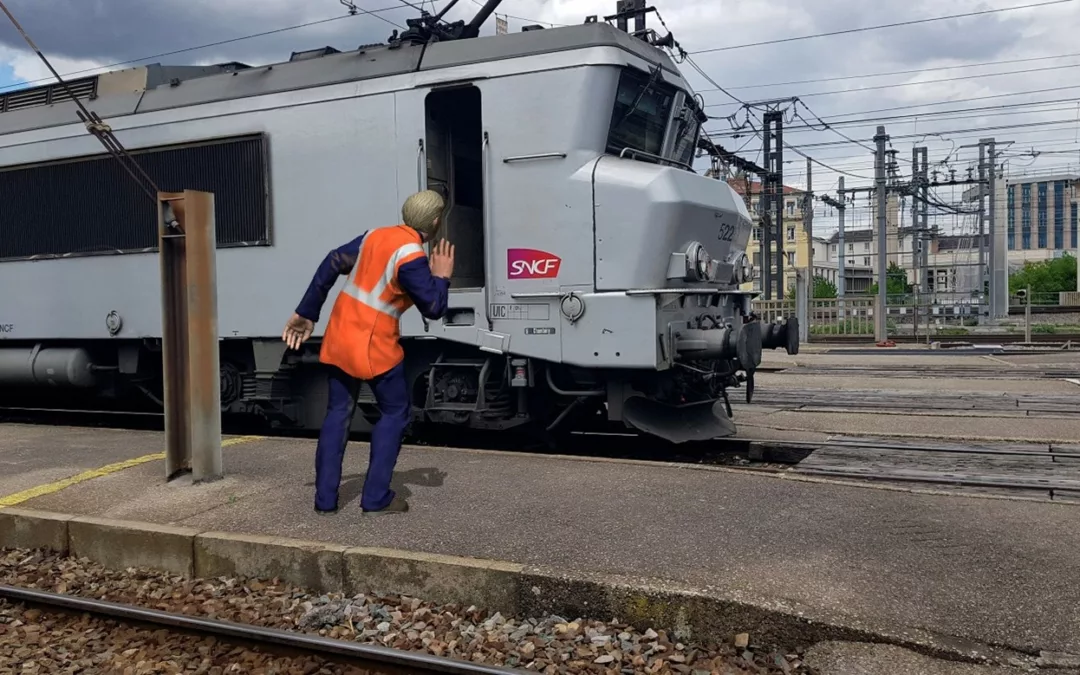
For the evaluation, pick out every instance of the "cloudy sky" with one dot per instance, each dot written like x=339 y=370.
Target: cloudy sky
x=943 y=84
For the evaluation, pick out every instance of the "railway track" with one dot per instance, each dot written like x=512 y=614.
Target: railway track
x=894 y=402
x=1042 y=339
x=365 y=658
x=924 y=372
x=1032 y=470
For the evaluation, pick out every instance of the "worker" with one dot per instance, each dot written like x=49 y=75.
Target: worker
x=388 y=273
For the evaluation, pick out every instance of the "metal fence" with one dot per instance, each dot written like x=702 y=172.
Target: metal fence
x=909 y=316
x=925 y=316
x=851 y=317
x=912 y=315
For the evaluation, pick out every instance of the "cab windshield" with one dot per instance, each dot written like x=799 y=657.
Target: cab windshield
x=642 y=119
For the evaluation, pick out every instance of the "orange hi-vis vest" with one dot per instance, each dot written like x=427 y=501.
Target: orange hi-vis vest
x=362 y=334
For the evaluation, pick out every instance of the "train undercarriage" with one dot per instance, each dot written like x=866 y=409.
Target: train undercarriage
x=452 y=385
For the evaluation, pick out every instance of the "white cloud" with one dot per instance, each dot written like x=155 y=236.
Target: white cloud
x=27 y=67
x=85 y=34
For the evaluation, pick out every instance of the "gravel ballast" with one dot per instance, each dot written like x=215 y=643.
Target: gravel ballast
x=549 y=644
x=35 y=642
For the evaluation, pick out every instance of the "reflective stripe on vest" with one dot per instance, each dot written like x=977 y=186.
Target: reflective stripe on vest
x=374 y=298
x=362 y=335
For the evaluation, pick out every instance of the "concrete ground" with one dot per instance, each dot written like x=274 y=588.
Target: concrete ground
x=995 y=572
x=990 y=571
x=35 y=456
x=853 y=658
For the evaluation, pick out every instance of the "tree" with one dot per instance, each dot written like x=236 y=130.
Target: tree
x=823 y=288
x=896 y=282
x=1046 y=278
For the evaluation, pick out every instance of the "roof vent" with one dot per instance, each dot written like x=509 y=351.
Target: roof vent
x=232 y=66
x=313 y=54
x=36 y=97
x=534 y=26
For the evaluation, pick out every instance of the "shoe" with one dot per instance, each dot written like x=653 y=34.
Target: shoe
x=398 y=505
x=326 y=513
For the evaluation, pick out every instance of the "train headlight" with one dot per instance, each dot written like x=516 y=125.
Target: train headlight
x=742 y=270
x=699 y=264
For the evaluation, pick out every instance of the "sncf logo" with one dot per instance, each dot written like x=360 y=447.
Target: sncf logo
x=527 y=263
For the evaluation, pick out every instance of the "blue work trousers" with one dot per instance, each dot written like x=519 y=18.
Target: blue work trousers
x=391 y=394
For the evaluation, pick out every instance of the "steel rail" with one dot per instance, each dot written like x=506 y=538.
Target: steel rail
x=924 y=372
x=972 y=338
x=942 y=480
x=378 y=659
x=1048 y=454
x=730 y=443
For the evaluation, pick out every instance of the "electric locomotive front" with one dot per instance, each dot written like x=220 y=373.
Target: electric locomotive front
x=670 y=251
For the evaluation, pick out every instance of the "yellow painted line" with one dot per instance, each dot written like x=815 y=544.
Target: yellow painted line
x=56 y=486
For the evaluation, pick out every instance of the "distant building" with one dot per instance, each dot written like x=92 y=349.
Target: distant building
x=861 y=251
x=1041 y=216
x=797 y=247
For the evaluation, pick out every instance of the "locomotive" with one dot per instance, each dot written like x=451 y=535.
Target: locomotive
x=597 y=275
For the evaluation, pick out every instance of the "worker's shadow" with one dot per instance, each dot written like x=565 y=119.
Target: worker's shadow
x=352 y=485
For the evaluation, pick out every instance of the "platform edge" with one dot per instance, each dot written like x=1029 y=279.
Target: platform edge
x=25 y=528
x=312 y=565
x=119 y=544
x=687 y=613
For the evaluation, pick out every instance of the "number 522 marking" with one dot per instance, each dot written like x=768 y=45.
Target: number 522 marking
x=726 y=232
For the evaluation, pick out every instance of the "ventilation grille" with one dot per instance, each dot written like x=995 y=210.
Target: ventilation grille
x=54 y=93
x=91 y=205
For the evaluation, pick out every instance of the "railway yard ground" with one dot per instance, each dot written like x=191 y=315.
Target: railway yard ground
x=898 y=510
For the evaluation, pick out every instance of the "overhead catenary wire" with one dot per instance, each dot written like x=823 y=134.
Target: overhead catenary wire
x=1025 y=149
x=828 y=122
x=795 y=104
x=409 y=4
x=520 y=18
x=709 y=79
x=839 y=161
x=94 y=124
x=882 y=26
x=893 y=73
x=804 y=155
x=894 y=85
x=942 y=132
x=955 y=100
x=373 y=12
x=936 y=116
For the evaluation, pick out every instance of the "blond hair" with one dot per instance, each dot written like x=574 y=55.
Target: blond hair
x=421 y=210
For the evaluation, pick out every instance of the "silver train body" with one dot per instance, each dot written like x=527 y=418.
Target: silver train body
x=597 y=274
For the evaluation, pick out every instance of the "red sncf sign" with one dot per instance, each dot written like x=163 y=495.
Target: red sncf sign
x=527 y=263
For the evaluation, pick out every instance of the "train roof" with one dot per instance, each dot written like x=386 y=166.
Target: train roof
x=157 y=87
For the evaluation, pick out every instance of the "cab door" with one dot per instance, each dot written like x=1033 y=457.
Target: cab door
x=442 y=129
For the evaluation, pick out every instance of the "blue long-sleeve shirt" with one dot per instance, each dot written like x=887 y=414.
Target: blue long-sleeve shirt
x=429 y=293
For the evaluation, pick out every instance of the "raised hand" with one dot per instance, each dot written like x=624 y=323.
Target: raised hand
x=442 y=259
x=297 y=331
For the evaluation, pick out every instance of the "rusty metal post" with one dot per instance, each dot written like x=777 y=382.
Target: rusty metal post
x=192 y=382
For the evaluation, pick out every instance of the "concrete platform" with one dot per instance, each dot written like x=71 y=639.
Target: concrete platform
x=970 y=571
x=967 y=570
